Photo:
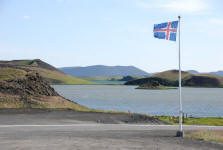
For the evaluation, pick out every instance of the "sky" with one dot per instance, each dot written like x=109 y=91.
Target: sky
x=112 y=32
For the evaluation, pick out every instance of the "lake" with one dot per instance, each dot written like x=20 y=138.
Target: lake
x=109 y=82
x=198 y=102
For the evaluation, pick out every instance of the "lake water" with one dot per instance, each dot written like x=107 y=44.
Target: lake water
x=198 y=102
x=110 y=82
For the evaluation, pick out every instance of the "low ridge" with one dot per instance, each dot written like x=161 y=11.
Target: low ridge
x=170 y=78
x=19 y=68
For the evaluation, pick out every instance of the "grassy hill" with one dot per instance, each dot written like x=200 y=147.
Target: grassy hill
x=170 y=78
x=220 y=78
x=172 y=75
x=166 y=78
x=203 y=80
x=219 y=73
x=19 y=68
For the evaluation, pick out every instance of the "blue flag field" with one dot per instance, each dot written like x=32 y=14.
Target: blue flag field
x=167 y=30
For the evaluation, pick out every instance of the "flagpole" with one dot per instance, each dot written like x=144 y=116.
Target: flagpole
x=180 y=132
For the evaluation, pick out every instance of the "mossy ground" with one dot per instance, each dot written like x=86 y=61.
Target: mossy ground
x=45 y=102
x=206 y=135
x=62 y=78
x=11 y=73
x=210 y=121
x=52 y=76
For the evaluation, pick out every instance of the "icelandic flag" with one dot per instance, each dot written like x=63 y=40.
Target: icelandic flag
x=167 y=30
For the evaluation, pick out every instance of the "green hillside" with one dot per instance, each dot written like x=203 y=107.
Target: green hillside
x=170 y=78
x=220 y=78
x=203 y=80
x=172 y=75
x=19 y=68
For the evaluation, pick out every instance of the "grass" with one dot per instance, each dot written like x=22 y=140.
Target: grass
x=210 y=121
x=206 y=135
x=45 y=102
x=41 y=102
x=172 y=75
x=52 y=76
x=64 y=79
x=24 y=62
x=11 y=73
x=220 y=78
x=19 y=68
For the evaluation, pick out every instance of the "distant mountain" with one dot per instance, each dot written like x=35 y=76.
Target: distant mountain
x=100 y=70
x=219 y=73
x=192 y=71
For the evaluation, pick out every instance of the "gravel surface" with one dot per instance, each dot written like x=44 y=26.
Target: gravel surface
x=39 y=116
x=83 y=138
x=68 y=130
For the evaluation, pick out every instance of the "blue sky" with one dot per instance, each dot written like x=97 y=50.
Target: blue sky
x=112 y=32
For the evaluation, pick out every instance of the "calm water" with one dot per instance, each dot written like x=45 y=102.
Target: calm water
x=196 y=101
x=110 y=82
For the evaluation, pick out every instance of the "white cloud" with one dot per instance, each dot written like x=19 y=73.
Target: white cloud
x=187 y=6
x=216 y=21
x=26 y=17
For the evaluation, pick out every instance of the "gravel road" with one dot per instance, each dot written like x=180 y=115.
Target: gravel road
x=61 y=130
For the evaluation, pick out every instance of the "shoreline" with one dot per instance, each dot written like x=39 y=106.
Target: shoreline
x=138 y=85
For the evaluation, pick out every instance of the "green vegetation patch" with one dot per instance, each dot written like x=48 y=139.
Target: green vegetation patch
x=24 y=62
x=170 y=78
x=171 y=75
x=11 y=73
x=210 y=121
x=53 y=77
x=58 y=78
x=206 y=135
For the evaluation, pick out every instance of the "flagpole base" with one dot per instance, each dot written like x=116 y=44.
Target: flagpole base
x=180 y=134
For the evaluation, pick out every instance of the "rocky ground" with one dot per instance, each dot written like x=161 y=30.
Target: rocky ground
x=32 y=85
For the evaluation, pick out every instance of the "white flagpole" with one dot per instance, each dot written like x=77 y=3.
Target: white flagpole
x=180 y=132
